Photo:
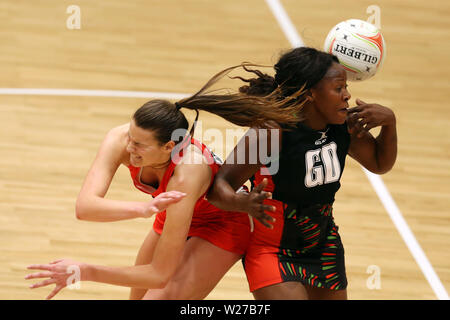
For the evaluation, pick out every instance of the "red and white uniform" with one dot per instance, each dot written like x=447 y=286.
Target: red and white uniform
x=225 y=229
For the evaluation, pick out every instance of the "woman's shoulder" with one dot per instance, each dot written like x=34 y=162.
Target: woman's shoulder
x=193 y=163
x=116 y=141
x=193 y=158
x=119 y=132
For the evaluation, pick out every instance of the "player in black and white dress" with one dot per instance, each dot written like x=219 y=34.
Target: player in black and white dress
x=301 y=255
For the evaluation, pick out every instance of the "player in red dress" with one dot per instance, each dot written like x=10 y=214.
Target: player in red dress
x=192 y=244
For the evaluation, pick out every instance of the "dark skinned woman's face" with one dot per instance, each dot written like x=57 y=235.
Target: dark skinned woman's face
x=330 y=96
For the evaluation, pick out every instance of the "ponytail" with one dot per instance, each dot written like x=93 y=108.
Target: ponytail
x=244 y=108
x=258 y=104
x=263 y=85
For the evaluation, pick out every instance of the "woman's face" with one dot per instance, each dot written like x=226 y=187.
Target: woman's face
x=145 y=149
x=330 y=96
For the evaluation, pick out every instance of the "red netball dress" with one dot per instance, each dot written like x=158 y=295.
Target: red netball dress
x=225 y=229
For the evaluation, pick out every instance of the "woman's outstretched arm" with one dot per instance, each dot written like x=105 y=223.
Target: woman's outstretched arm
x=191 y=179
x=91 y=204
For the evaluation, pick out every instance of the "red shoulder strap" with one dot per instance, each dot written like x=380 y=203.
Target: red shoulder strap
x=176 y=159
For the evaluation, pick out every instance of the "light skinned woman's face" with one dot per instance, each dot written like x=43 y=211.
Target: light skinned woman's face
x=144 y=148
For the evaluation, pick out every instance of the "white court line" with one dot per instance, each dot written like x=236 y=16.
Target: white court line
x=93 y=93
x=376 y=181
x=285 y=23
x=407 y=235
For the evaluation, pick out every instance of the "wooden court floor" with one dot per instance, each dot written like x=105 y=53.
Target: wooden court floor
x=48 y=142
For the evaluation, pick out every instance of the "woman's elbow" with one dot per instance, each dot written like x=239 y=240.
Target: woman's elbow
x=213 y=194
x=384 y=170
x=81 y=211
x=380 y=169
x=161 y=281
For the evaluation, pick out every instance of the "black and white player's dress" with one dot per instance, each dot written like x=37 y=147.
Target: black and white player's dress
x=304 y=244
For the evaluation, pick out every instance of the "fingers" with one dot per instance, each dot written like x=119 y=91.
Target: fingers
x=360 y=102
x=259 y=208
x=172 y=194
x=53 y=277
x=270 y=208
x=263 y=220
x=263 y=217
x=39 y=275
x=370 y=126
x=359 y=123
x=354 y=109
x=261 y=186
x=354 y=125
x=358 y=112
x=167 y=198
x=39 y=267
x=43 y=283
x=167 y=201
x=266 y=220
x=263 y=196
x=353 y=117
x=360 y=106
x=177 y=193
x=54 y=292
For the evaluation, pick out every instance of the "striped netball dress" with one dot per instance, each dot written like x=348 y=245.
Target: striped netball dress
x=227 y=230
x=304 y=244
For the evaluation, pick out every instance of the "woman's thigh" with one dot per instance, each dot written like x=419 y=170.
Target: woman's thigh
x=293 y=290
x=201 y=268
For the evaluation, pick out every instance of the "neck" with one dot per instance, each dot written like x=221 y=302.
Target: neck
x=160 y=166
x=313 y=118
x=153 y=174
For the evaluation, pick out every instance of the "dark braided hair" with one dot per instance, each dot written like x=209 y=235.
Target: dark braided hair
x=302 y=67
x=297 y=70
x=261 y=86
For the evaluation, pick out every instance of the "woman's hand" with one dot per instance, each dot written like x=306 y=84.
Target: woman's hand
x=161 y=202
x=366 y=116
x=253 y=204
x=62 y=273
x=378 y=154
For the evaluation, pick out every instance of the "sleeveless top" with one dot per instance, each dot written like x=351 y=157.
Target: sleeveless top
x=202 y=205
x=228 y=230
x=309 y=166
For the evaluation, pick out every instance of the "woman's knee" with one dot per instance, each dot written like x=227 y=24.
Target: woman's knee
x=315 y=293
x=282 y=291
